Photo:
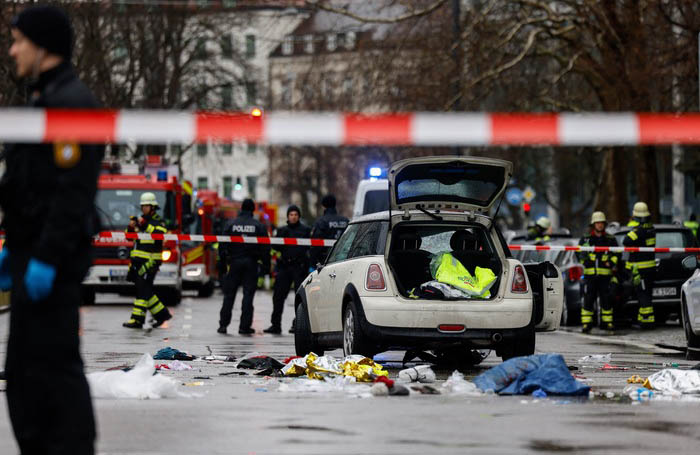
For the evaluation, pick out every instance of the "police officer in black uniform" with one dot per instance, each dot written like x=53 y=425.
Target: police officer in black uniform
x=47 y=195
x=241 y=261
x=329 y=226
x=292 y=266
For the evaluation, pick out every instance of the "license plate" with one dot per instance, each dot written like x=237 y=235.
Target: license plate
x=664 y=292
x=117 y=275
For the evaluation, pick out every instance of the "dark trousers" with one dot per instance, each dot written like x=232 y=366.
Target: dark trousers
x=146 y=298
x=241 y=272
x=287 y=276
x=643 y=290
x=47 y=394
x=597 y=286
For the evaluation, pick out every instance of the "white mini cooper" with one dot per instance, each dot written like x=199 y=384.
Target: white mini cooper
x=366 y=296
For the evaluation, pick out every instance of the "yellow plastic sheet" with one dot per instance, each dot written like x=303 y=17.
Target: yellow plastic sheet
x=363 y=369
x=452 y=272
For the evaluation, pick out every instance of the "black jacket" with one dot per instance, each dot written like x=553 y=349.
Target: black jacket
x=601 y=263
x=247 y=226
x=329 y=226
x=294 y=254
x=48 y=190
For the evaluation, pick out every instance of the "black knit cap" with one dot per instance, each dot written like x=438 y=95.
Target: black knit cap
x=293 y=208
x=248 y=205
x=48 y=27
x=328 y=201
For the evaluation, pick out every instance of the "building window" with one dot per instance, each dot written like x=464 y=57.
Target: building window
x=347 y=86
x=250 y=46
x=350 y=40
x=228 y=186
x=226 y=96
x=309 y=44
x=228 y=149
x=252 y=181
x=331 y=42
x=287 y=87
x=202 y=149
x=288 y=45
x=202 y=183
x=200 y=50
x=252 y=149
x=251 y=92
x=226 y=47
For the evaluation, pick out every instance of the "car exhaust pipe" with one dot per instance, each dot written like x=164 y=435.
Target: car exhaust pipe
x=497 y=337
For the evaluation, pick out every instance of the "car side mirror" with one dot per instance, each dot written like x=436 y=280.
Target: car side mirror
x=550 y=271
x=690 y=263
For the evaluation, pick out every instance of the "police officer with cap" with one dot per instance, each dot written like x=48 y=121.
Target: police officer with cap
x=241 y=263
x=47 y=194
x=329 y=226
x=292 y=266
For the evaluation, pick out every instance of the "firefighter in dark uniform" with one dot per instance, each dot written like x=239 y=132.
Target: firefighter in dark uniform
x=598 y=269
x=47 y=194
x=146 y=258
x=642 y=266
x=329 y=226
x=241 y=263
x=292 y=266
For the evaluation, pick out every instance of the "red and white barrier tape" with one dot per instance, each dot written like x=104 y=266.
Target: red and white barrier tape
x=106 y=237
x=337 y=128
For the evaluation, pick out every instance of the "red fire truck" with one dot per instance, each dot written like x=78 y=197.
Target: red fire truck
x=117 y=200
x=199 y=271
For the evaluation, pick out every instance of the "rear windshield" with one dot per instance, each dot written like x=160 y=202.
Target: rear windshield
x=436 y=239
x=457 y=182
x=376 y=201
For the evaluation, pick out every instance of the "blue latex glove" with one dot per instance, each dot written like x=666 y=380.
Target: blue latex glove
x=5 y=277
x=39 y=279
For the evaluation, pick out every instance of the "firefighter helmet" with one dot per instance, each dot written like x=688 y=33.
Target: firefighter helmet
x=149 y=199
x=598 y=217
x=640 y=210
x=543 y=222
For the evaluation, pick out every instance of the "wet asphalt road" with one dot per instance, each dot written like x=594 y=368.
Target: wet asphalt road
x=248 y=415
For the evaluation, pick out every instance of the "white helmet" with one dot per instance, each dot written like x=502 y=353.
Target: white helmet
x=149 y=199
x=543 y=222
x=598 y=217
x=640 y=210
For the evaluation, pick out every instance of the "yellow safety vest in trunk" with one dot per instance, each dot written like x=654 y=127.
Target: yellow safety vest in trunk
x=451 y=271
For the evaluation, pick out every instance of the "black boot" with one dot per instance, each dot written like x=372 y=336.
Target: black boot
x=133 y=324
x=161 y=317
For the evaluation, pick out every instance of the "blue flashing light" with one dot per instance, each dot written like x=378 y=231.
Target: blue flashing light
x=163 y=176
x=375 y=172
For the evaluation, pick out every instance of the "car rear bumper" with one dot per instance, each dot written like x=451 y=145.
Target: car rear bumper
x=413 y=315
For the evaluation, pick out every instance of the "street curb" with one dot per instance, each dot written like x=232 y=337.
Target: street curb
x=609 y=340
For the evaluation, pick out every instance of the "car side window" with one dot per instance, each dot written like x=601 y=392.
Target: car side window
x=367 y=240
x=343 y=246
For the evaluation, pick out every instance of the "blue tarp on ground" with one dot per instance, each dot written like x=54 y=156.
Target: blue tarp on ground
x=524 y=375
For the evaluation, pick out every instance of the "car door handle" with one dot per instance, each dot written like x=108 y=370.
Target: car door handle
x=550 y=289
x=332 y=275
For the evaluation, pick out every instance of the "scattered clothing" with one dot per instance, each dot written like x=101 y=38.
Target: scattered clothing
x=524 y=375
x=172 y=354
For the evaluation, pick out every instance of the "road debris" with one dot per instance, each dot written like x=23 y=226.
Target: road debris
x=523 y=375
x=419 y=373
x=363 y=369
x=140 y=382
x=596 y=359
x=457 y=385
x=172 y=354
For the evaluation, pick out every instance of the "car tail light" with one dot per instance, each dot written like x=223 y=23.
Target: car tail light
x=375 y=278
x=575 y=273
x=519 y=280
x=451 y=328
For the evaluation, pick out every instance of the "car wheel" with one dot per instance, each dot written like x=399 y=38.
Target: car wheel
x=354 y=340
x=87 y=296
x=692 y=340
x=522 y=345
x=304 y=342
x=206 y=290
